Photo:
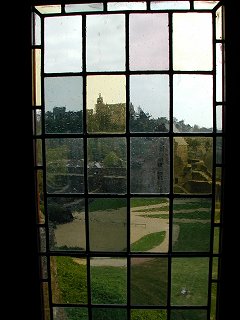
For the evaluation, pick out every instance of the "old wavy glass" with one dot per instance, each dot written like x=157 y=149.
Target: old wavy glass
x=36 y=29
x=84 y=7
x=192 y=165
x=64 y=165
x=63 y=104
x=105 y=42
x=148 y=41
x=149 y=225
x=36 y=77
x=107 y=172
x=149 y=167
x=149 y=103
x=61 y=313
x=63 y=44
x=115 y=6
x=192 y=103
x=66 y=223
x=108 y=224
x=169 y=5
x=192 y=41
x=106 y=104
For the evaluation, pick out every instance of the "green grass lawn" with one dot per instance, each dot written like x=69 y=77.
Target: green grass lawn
x=199 y=215
x=141 y=314
x=106 y=204
x=148 y=241
x=191 y=274
x=193 y=237
x=138 y=202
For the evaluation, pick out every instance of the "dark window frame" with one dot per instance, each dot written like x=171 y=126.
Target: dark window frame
x=28 y=195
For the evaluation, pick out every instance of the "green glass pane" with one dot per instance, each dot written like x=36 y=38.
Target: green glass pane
x=68 y=280
x=149 y=224
x=64 y=160
x=108 y=224
x=216 y=240
x=192 y=165
x=213 y=314
x=189 y=283
x=109 y=314
x=107 y=171
x=150 y=164
x=109 y=280
x=149 y=278
x=66 y=223
x=215 y=262
x=191 y=224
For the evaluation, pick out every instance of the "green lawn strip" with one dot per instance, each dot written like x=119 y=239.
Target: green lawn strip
x=106 y=204
x=148 y=314
x=109 y=284
x=149 y=281
x=76 y=313
x=148 y=241
x=199 y=215
x=190 y=274
x=72 y=280
x=193 y=237
x=188 y=314
x=109 y=314
x=165 y=208
x=138 y=202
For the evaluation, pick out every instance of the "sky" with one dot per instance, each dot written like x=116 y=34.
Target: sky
x=148 y=50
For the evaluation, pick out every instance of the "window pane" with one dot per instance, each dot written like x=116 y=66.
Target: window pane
x=149 y=278
x=108 y=224
x=38 y=152
x=149 y=103
x=49 y=9
x=218 y=195
x=64 y=159
x=68 y=280
x=205 y=4
x=188 y=314
x=216 y=239
x=115 y=6
x=107 y=171
x=38 y=119
x=40 y=197
x=214 y=301
x=43 y=267
x=45 y=295
x=215 y=262
x=148 y=314
x=166 y=5
x=149 y=169
x=109 y=280
x=192 y=41
x=106 y=104
x=36 y=32
x=148 y=36
x=109 y=314
x=192 y=103
x=84 y=7
x=218 y=150
x=189 y=281
x=60 y=313
x=219 y=34
x=149 y=224
x=63 y=44
x=219 y=72
x=105 y=43
x=36 y=77
x=192 y=165
x=219 y=119
x=42 y=239
x=191 y=225
x=66 y=223
x=63 y=104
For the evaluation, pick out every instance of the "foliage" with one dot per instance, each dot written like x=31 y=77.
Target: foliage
x=112 y=160
x=148 y=314
x=148 y=241
x=58 y=213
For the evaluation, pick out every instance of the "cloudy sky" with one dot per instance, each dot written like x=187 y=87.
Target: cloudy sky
x=148 y=50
